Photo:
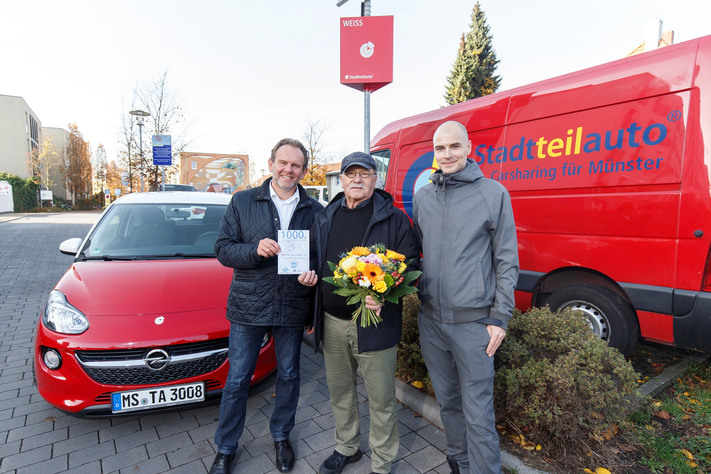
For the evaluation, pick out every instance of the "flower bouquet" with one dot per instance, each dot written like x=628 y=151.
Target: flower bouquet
x=374 y=271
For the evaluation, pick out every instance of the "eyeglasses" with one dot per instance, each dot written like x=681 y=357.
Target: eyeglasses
x=362 y=174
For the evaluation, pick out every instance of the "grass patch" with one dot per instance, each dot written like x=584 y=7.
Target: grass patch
x=673 y=430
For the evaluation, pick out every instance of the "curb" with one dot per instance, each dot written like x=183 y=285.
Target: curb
x=665 y=379
x=429 y=408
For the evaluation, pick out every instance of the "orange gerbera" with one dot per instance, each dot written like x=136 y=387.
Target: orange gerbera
x=395 y=256
x=373 y=272
x=360 y=251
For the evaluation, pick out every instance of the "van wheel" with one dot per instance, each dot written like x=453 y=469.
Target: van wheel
x=609 y=316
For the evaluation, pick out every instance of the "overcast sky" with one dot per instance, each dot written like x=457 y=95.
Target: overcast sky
x=249 y=72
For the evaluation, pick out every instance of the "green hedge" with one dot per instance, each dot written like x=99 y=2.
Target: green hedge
x=24 y=191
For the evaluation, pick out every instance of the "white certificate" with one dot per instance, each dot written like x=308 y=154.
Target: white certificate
x=294 y=256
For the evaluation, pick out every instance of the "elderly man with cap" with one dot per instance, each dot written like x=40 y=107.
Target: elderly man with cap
x=360 y=216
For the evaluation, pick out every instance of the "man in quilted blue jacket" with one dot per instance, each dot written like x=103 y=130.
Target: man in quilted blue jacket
x=260 y=299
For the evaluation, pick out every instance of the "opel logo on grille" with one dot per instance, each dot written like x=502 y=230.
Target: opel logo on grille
x=157 y=359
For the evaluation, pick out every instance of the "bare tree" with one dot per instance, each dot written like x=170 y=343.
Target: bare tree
x=312 y=135
x=128 y=154
x=157 y=97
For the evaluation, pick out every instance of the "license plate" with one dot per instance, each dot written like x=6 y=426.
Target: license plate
x=122 y=402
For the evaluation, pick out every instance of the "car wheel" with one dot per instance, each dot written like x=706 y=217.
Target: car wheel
x=609 y=316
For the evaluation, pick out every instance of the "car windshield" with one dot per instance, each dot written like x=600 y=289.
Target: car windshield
x=140 y=231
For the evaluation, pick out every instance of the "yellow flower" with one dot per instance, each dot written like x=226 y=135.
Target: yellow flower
x=350 y=265
x=380 y=286
x=361 y=266
x=402 y=268
x=337 y=275
x=395 y=255
x=360 y=251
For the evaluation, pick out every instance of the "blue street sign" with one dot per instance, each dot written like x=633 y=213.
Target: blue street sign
x=162 y=150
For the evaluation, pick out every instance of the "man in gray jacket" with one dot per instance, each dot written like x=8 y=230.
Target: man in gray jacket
x=470 y=269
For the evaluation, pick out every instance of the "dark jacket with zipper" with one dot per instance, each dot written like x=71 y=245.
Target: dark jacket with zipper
x=389 y=226
x=258 y=295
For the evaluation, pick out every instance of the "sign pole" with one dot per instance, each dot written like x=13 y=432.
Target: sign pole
x=366 y=93
x=366 y=96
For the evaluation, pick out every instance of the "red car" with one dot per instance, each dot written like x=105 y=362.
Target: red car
x=138 y=321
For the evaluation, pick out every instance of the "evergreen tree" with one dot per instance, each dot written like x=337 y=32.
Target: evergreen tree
x=472 y=74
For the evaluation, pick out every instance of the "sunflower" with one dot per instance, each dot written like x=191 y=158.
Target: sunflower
x=373 y=272
x=360 y=251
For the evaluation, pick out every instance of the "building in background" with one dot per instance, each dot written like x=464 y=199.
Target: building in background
x=654 y=38
x=20 y=130
x=201 y=170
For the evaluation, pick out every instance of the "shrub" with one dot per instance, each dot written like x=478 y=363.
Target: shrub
x=410 y=364
x=24 y=191
x=93 y=203
x=560 y=384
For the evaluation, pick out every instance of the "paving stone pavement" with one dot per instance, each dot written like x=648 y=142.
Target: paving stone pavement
x=39 y=439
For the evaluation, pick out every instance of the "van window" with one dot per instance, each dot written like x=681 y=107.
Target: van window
x=382 y=161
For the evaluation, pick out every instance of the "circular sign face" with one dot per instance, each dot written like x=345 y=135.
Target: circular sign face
x=367 y=49
x=159 y=138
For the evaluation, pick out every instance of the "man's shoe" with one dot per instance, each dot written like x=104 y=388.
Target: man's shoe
x=453 y=465
x=335 y=463
x=221 y=464
x=284 y=455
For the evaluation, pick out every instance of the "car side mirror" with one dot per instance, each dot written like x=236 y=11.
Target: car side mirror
x=70 y=246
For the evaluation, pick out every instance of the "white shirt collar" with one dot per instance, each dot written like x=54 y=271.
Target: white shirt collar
x=274 y=195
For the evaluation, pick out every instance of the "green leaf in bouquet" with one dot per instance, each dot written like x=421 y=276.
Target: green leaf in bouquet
x=409 y=277
x=348 y=291
x=391 y=298
x=389 y=280
x=355 y=299
x=332 y=266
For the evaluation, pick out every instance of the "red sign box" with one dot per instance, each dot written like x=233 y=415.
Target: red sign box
x=367 y=52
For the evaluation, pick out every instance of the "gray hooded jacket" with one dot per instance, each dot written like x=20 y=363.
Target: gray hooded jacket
x=469 y=247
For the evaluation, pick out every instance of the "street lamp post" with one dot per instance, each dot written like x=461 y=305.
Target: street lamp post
x=140 y=116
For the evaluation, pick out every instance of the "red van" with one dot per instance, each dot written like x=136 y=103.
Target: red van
x=608 y=174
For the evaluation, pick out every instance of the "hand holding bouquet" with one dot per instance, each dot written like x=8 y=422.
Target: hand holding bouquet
x=374 y=271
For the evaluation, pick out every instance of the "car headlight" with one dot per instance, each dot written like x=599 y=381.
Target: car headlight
x=265 y=339
x=60 y=316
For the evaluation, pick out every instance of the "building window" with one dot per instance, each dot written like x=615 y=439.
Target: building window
x=193 y=165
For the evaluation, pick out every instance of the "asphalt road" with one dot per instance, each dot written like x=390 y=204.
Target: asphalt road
x=39 y=439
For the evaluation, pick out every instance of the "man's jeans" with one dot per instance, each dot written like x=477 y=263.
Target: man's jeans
x=245 y=342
